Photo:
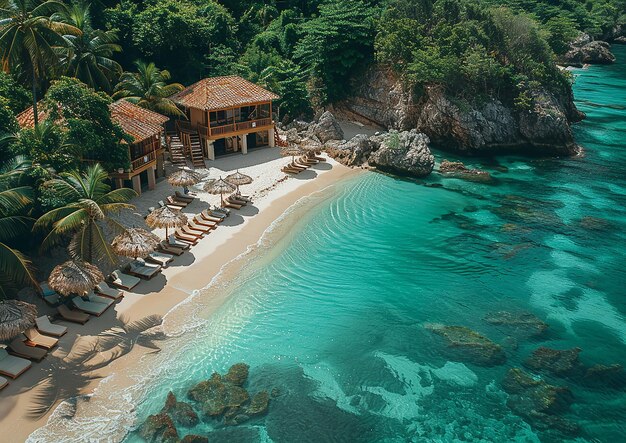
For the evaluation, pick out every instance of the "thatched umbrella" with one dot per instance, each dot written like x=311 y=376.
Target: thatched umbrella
x=184 y=178
x=135 y=242
x=220 y=187
x=166 y=217
x=74 y=277
x=291 y=150
x=15 y=317
x=238 y=178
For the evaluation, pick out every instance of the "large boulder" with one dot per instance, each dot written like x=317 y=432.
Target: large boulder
x=159 y=428
x=554 y=361
x=237 y=374
x=259 y=403
x=182 y=413
x=354 y=152
x=404 y=153
x=211 y=394
x=466 y=345
x=459 y=170
x=585 y=50
x=522 y=323
x=327 y=128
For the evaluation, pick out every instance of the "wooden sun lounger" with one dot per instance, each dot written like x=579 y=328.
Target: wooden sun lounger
x=35 y=338
x=180 y=235
x=3 y=382
x=123 y=281
x=174 y=201
x=295 y=165
x=184 y=197
x=289 y=170
x=44 y=326
x=143 y=270
x=190 y=231
x=170 y=249
x=160 y=258
x=90 y=307
x=171 y=206
x=207 y=224
x=236 y=201
x=173 y=241
x=103 y=289
x=20 y=349
x=12 y=366
x=49 y=295
x=208 y=216
x=228 y=204
x=199 y=227
x=100 y=299
x=72 y=315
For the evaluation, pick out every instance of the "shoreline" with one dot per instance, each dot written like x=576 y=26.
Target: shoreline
x=183 y=284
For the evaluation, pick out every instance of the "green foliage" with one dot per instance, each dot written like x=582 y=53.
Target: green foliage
x=85 y=119
x=18 y=98
x=45 y=145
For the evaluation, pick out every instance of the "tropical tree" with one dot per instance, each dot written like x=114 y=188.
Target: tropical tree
x=28 y=36
x=149 y=88
x=86 y=216
x=16 y=198
x=87 y=56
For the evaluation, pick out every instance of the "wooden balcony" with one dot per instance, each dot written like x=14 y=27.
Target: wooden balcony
x=221 y=131
x=138 y=165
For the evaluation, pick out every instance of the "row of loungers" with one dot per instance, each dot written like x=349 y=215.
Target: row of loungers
x=32 y=345
x=301 y=164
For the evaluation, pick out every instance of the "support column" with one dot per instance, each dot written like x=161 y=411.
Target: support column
x=244 y=144
x=137 y=184
x=119 y=183
x=151 y=177
x=270 y=136
x=160 y=166
x=210 y=150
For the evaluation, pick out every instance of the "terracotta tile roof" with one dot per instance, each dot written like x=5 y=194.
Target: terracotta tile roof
x=222 y=92
x=138 y=122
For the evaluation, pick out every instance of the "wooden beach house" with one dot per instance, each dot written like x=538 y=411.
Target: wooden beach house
x=224 y=115
x=146 y=152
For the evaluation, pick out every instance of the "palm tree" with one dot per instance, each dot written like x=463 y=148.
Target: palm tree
x=91 y=203
x=149 y=89
x=15 y=199
x=28 y=35
x=87 y=56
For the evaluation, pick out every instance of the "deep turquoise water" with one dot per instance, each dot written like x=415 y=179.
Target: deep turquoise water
x=335 y=320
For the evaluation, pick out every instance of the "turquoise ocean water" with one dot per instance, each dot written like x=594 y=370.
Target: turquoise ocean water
x=334 y=319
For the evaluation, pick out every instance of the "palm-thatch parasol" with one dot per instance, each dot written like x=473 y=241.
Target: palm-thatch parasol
x=15 y=317
x=135 y=242
x=291 y=150
x=166 y=217
x=184 y=178
x=220 y=187
x=74 y=277
x=238 y=178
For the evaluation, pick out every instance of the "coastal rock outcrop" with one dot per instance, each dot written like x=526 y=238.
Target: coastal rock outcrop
x=182 y=413
x=523 y=323
x=459 y=170
x=464 y=344
x=538 y=402
x=354 y=152
x=159 y=428
x=585 y=50
x=193 y=438
x=327 y=128
x=554 y=361
x=404 y=153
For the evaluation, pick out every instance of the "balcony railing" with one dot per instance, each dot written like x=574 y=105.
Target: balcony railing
x=139 y=162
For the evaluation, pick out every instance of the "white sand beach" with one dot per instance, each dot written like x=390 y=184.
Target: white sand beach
x=272 y=192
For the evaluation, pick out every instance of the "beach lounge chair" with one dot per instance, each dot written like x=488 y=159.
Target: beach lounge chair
x=240 y=196
x=72 y=315
x=90 y=307
x=295 y=165
x=288 y=170
x=207 y=224
x=166 y=248
x=160 y=258
x=35 y=338
x=49 y=295
x=211 y=217
x=228 y=204
x=92 y=296
x=103 y=289
x=45 y=327
x=173 y=241
x=11 y=365
x=199 y=227
x=233 y=199
x=191 y=232
x=20 y=349
x=173 y=201
x=3 y=382
x=219 y=211
x=180 y=235
x=124 y=281
x=186 y=198
x=171 y=206
x=142 y=269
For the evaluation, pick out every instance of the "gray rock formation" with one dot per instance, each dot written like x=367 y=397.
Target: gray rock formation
x=459 y=170
x=585 y=50
x=404 y=153
x=354 y=152
x=327 y=128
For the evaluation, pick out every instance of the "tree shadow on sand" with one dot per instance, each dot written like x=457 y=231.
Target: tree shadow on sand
x=71 y=373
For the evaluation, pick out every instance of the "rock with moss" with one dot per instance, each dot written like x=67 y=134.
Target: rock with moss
x=211 y=394
x=459 y=170
x=523 y=323
x=466 y=345
x=182 y=413
x=555 y=361
x=404 y=153
x=611 y=376
x=237 y=374
x=259 y=403
x=159 y=428
x=193 y=438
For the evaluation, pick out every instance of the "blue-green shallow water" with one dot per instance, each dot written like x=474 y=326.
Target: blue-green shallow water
x=336 y=320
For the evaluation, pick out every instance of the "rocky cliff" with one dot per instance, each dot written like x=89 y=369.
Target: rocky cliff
x=488 y=128
x=586 y=50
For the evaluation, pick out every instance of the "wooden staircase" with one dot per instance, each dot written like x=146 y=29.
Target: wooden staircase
x=279 y=141
x=195 y=150
x=176 y=149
